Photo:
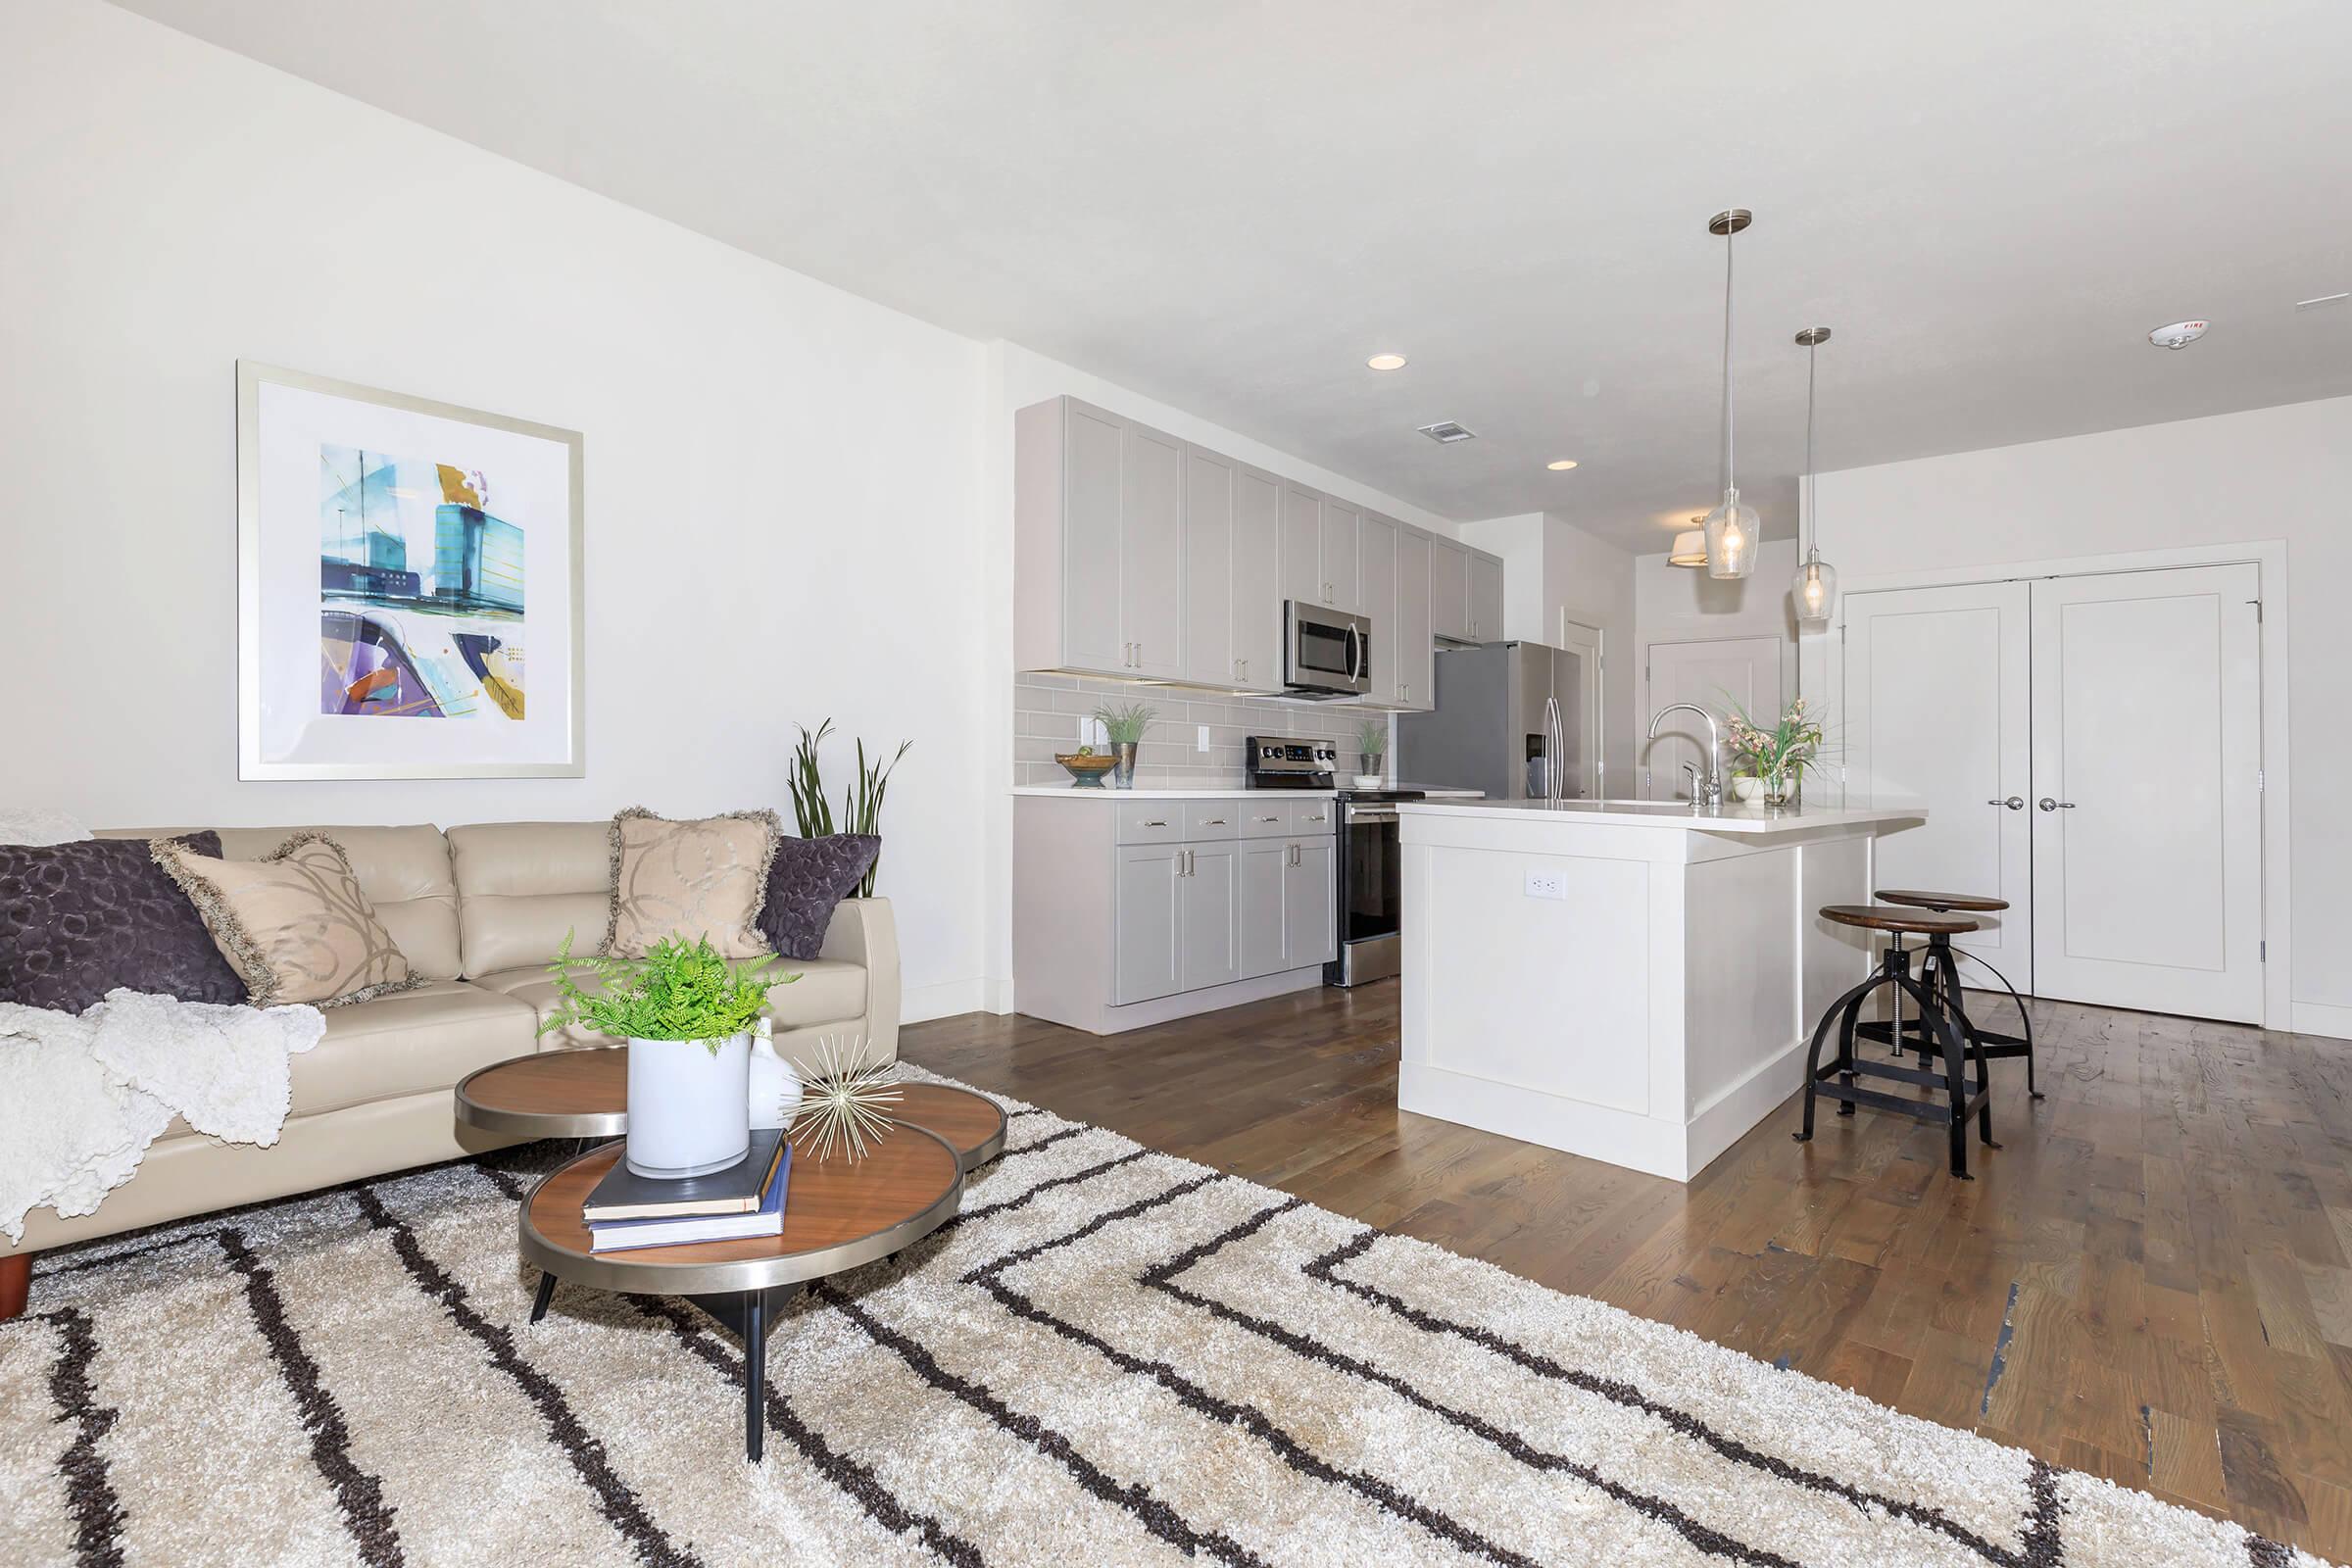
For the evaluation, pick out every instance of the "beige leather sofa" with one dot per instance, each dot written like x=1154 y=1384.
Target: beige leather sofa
x=479 y=910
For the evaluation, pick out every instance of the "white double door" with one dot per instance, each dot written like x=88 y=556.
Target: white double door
x=2089 y=749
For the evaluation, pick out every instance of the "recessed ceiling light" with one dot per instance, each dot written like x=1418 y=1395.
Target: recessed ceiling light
x=2179 y=335
x=1386 y=362
x=1562 y=465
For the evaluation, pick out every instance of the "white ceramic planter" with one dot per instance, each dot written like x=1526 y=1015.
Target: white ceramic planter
x=688 y=1105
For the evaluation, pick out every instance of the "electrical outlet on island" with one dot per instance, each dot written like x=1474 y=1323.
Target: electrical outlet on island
x=1543 y=883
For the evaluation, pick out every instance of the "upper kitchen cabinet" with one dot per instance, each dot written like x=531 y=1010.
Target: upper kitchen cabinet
x=1301 y=544
x=1098 y=549
x=1415 y=652
x=1376 y=597
x=1448 y=590
x=1341 y=524
x=1486 y=598
x=1232 y=601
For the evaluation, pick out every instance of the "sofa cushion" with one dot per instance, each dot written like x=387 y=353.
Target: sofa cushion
x=704 y=879
x=828 y=991
x=409 y=1042
x=805 y=884
x=79 y=920
x=405 y=872
x=294 y=923
x=523 y=885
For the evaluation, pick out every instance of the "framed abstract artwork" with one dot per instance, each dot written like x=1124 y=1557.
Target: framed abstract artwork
x=409 y=587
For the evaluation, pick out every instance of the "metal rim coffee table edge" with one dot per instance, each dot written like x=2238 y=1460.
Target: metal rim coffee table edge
x=535 y=1123
x=644 y=1275
x=988 y=1148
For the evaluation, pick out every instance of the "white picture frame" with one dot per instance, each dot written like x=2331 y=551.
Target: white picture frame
x=410 y=587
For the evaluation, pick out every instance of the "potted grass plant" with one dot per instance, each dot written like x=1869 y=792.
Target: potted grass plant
x=687 y=1017
x=1123 y=725
x=1372 y=747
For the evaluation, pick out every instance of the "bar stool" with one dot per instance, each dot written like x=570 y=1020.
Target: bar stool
x=1952 y=1044
x=1943 y=977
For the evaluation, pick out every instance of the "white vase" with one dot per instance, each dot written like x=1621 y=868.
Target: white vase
x=688 y=1105
x=1748 y=789
x=775 y=1089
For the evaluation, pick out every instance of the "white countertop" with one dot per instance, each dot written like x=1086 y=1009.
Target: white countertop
x=1229 y=792
x=1752 y=819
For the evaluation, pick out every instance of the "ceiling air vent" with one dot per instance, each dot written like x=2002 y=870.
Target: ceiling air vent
x=1446 y=432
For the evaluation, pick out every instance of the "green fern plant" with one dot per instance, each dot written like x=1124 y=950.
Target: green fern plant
x=679 y=990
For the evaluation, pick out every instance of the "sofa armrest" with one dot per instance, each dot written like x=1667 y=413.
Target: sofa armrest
x=864 y=931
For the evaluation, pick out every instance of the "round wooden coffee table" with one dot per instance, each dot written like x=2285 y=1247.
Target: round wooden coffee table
x=837 y=1216
x=585 y=1094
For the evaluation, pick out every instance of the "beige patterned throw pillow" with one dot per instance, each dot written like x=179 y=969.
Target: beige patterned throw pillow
x=293 y=925
x=690 y=879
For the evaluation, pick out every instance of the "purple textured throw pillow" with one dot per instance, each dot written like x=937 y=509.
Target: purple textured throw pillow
x=807 y=879
x=79 y=920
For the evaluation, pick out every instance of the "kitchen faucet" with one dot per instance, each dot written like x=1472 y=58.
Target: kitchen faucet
x=1706 y=791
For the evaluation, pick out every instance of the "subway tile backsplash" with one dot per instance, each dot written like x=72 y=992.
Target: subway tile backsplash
x=1048 y=713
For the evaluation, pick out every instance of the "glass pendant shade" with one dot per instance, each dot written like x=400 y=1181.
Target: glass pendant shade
x=1689 y=549
x=1732 y=538
x=1815 y=588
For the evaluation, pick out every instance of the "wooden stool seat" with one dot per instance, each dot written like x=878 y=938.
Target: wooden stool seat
x=1970 y=902
x=1911 y=922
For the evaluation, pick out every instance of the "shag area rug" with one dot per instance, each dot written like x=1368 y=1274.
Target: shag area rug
x=1112 y=1356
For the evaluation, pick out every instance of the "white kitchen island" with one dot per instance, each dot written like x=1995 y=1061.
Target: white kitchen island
x=1622 y=979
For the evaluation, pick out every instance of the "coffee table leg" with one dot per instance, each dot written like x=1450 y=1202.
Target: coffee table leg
x=547 y=1293
x=755 y=1374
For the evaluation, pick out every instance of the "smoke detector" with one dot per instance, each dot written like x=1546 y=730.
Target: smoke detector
x=2179 y=335
x=1446 y=432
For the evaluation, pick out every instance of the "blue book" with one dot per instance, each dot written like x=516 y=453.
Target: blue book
x=626 y=1235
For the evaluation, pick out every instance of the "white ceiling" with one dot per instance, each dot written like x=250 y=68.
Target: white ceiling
x=1228 y=206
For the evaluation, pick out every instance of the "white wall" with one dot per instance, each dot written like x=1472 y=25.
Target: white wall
x=2277 y=473
x=1552 y=568
x=782 y=490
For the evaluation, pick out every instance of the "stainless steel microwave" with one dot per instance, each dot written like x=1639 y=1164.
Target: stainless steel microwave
x=1325 y=652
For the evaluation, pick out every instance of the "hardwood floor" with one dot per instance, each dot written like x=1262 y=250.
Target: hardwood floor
x=2151 y=1281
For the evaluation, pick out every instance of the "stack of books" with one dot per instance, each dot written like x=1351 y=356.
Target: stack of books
x=627 y=1210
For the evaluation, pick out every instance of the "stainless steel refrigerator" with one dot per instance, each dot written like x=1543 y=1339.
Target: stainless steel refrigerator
x=1507 y=715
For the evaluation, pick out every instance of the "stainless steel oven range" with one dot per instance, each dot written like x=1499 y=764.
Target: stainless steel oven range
x=1364 y=827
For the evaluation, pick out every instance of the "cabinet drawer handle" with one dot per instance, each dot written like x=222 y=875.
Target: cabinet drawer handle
x=1155 y=822
x=1269 y=820
x=1214 y=821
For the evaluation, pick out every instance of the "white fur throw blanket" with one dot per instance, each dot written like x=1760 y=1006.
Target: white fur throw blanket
x=87 y=1096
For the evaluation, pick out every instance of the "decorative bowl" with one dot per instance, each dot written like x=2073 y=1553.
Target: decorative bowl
x=1089 y=769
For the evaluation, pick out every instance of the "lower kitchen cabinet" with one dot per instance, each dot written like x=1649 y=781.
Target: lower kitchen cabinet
x=1130 y=910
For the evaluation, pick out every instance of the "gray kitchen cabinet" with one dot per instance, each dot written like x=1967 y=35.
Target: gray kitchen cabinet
x=1486 y=599
x=1208 y=567
x=1147 y=922
x=1376 y=597
x=1151 y=551
x=1301 y=544
x=1448 y=590
x=1206 y=885
x=1256 y=580
x=1261 y=868
x=1341 y=524
x=1099 y=550
x=1415 y=658
x=1130 y=912
x=1309 y=905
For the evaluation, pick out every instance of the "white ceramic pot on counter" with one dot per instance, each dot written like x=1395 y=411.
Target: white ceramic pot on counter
x=689 y=1105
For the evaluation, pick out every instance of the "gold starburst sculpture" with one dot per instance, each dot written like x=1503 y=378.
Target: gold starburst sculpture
x=842 y=1099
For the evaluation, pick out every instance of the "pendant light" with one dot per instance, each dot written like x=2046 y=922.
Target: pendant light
x=1732 y=528
x=1815 y=588
x=1689 y=546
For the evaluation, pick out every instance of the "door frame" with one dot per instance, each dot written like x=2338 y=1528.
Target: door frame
x=1600 y=697
x=2268 y=556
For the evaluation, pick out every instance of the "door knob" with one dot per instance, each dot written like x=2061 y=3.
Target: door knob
x=2048 y=805
x=2015 y=802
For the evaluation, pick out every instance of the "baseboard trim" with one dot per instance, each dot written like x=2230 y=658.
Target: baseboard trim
x=2322 y=1019
x=947 y=999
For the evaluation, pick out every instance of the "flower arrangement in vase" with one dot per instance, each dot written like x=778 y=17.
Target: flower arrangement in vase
x=1773 y=761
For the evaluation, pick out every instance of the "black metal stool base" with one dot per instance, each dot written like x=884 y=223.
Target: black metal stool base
x=1939 y=972
x=1953 y=1042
